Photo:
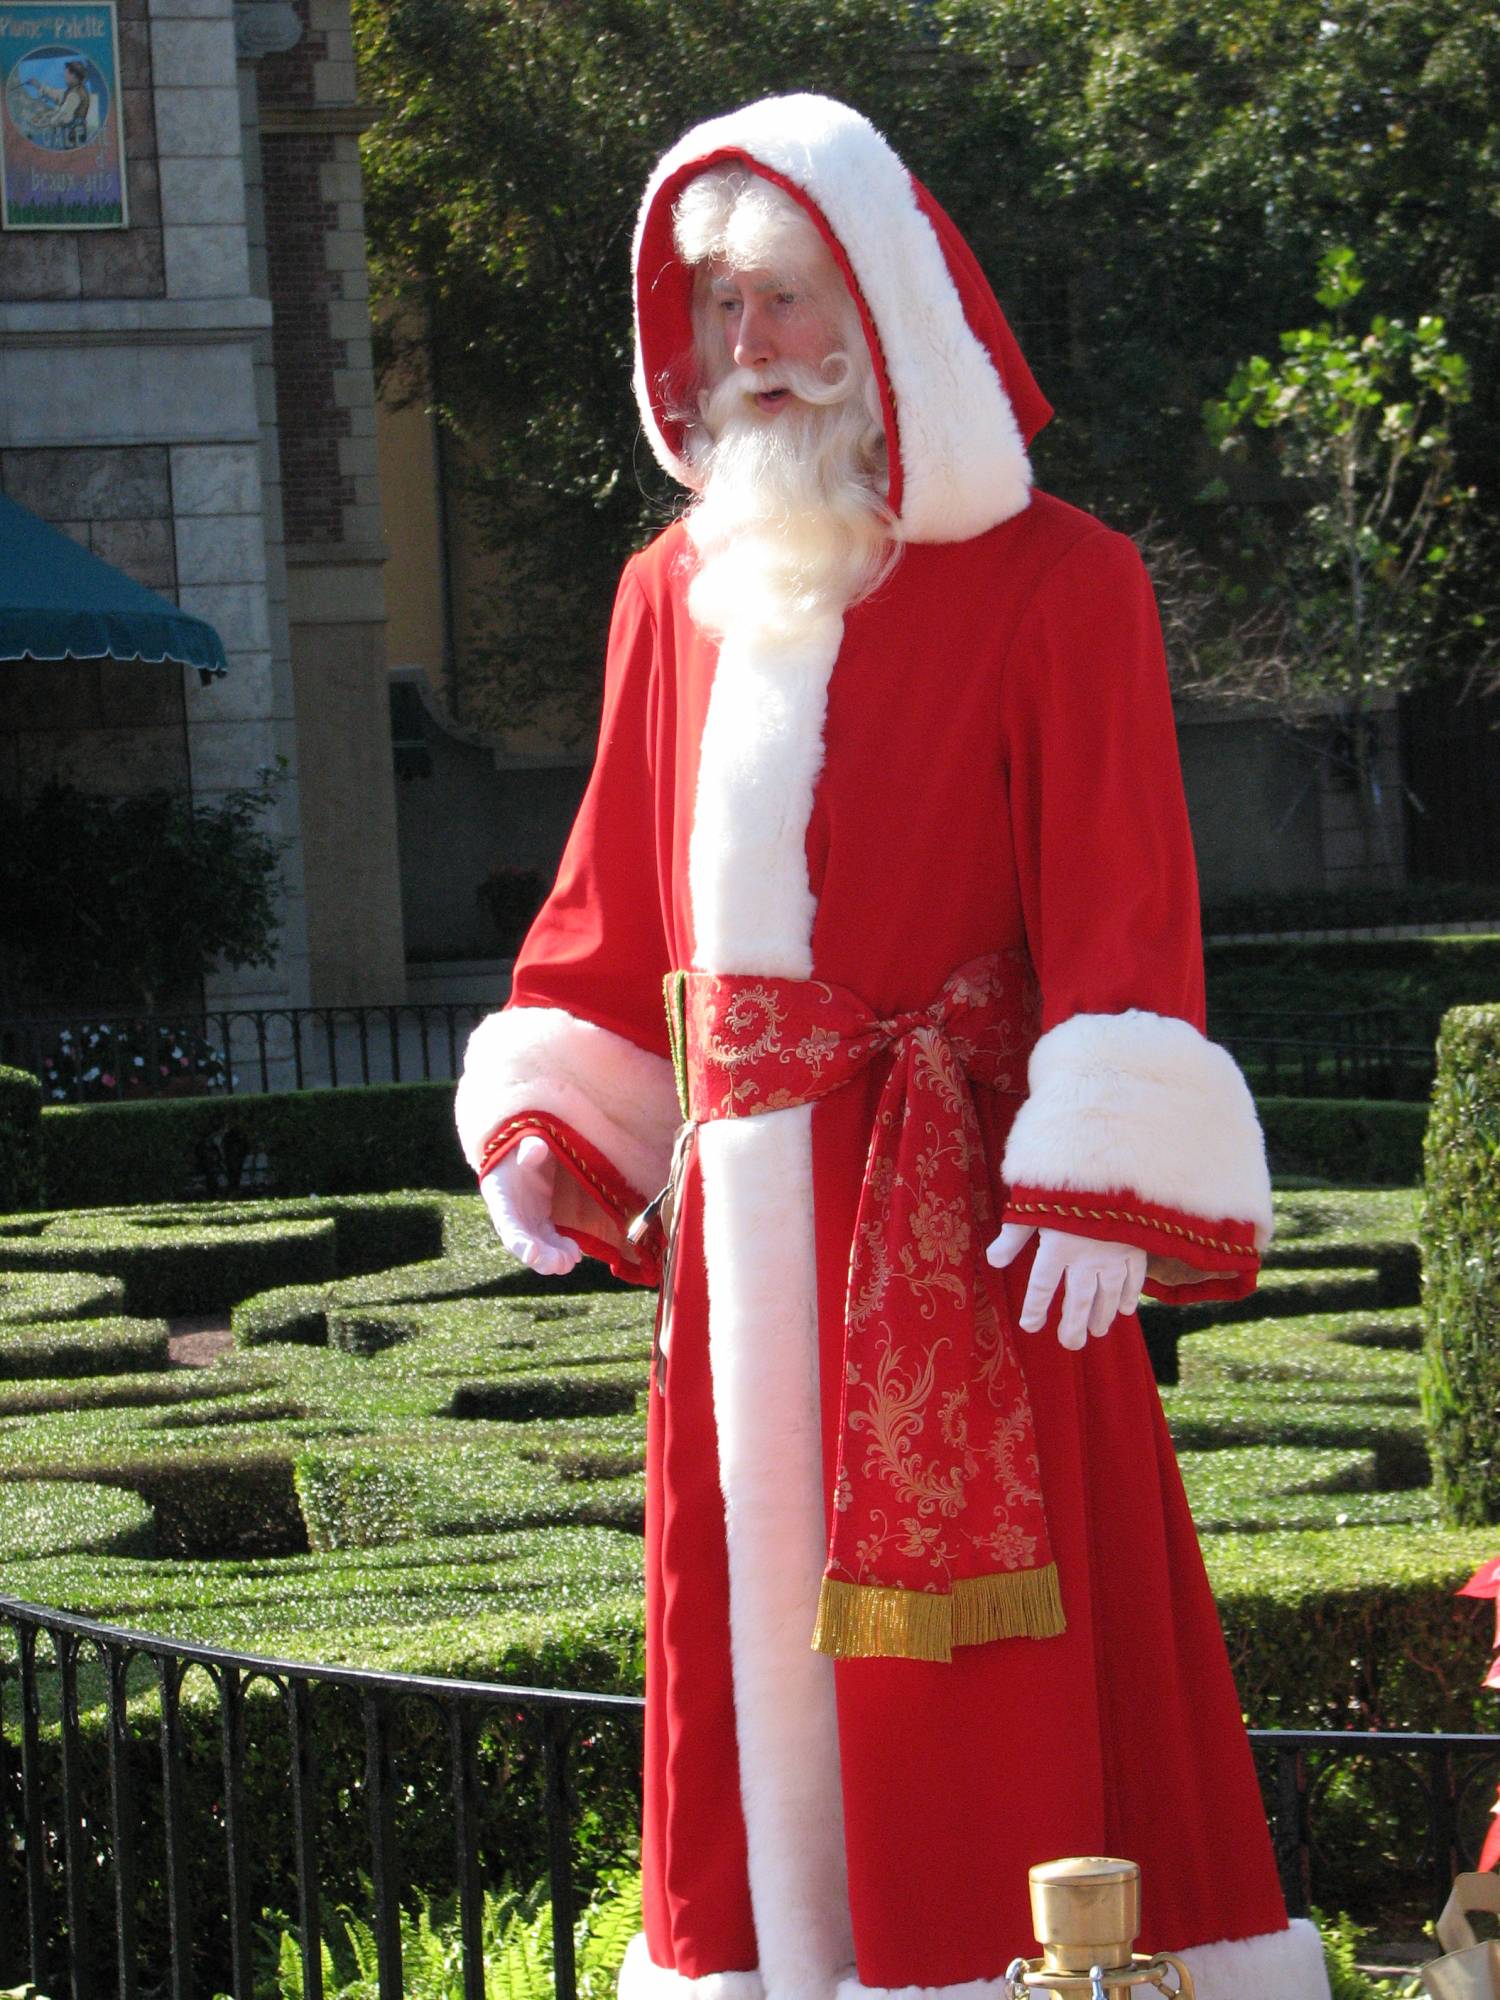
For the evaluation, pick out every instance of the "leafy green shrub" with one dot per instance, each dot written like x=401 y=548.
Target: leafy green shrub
x=371 y=1231
x=442 y=1479
x=1423 y=975
x=231 y=1503
x=52 y=1348
x=477 y=1272
x=1461 y=1260
x=1342 y=1942
x=1353 y=909
x=515 y=1948
x=28 y=1296
x=314 y=1142
x=1362 y=1142
x=40 y=1517
x=20 y=1138
x=188 y=1270
x=1354 y=1627
x=1257 y=1489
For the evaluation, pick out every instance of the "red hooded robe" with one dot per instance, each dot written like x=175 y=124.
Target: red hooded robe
x=979 y=757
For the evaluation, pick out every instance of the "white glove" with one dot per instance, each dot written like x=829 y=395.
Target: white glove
x=1099 y=1279
x=518 y=1195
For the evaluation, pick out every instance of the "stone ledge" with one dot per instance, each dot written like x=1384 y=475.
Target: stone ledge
x=279 y=120
x=132 y=320
x=336 y=555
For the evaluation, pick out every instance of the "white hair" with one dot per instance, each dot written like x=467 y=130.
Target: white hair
x=790 y=523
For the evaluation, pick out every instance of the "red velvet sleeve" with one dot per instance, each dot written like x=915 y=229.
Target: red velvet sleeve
x=1136 y=1129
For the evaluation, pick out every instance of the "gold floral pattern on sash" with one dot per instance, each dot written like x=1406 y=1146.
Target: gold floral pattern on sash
x=939 y=1534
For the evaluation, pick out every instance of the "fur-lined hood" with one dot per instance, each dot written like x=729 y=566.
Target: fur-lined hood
x=959 y=401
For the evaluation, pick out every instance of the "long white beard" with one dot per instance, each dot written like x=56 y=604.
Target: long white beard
x=790 y=526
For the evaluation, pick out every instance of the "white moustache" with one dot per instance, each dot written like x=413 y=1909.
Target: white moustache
x=817 y=386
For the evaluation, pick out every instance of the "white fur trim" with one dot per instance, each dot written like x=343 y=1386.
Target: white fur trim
x=1144 y=1104
x=763 y=1350
x=1277 y=1965
x=963 y=460
x=753 y=910
x=963 y=1989
x=617 y=1096
x=641 y=1978
x=761 y=753
x=1288 y=1965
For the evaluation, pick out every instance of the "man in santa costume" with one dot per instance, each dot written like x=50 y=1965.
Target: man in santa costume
x=887 y=805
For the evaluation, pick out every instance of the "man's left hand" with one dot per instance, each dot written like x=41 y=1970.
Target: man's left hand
x=1100 y=1280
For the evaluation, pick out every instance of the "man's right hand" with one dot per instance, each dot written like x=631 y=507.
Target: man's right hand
x=518 y=1195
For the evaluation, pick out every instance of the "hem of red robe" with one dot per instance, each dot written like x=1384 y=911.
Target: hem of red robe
x=605 y=1203
x=1288 y=1964
x=1221 y=1248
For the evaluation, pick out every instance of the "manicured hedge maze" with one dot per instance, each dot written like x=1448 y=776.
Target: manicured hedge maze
x=403 y=1402
x=415 y=1455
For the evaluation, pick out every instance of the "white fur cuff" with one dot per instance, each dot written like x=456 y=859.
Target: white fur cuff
x=1144 y=1104
x=617 y=1096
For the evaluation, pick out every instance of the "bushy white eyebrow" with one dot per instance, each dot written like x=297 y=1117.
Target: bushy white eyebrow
x=725 y=283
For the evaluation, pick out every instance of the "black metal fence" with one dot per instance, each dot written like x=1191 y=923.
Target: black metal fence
x=1380 y=1052
x=185 y=1836
x=245 y=1050
x=91 y=1812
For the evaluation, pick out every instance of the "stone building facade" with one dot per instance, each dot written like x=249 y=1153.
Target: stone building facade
x=192 y=398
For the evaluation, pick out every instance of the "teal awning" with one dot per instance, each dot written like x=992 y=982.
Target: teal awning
x=59 y=602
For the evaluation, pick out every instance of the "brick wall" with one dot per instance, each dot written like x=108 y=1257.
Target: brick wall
x=308 y=359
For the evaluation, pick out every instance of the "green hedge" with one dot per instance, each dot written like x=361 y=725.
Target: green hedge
x=1356 y=1628
x=1461 y=1257
x=1362 y=1142
x=29 y=1296
x=1354 y=909
x=42 y=1517
x=167 y=1271
x=307 y=1314
x=20 y=1138
x=50 y=1349
x=1425 y=975
x=311 y=1142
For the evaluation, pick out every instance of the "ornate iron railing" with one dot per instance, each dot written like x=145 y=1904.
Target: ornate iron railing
x=1380 y=1052
x=64 y=1834
x=61 y=1836
x=244 y=1050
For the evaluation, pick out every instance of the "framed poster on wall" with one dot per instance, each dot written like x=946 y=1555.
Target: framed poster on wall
x=62 y=137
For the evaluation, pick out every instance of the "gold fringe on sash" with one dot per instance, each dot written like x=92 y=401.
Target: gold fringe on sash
x=863 y=1621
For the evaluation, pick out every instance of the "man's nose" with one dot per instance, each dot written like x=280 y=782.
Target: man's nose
x=753 y=347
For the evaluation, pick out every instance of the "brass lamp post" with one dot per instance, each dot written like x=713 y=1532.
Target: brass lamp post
x=1086 y=1913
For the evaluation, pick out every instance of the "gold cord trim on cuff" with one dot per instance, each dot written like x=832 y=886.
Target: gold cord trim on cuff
x=864 y=1621
x=557 y=1139
x=1230 y=1249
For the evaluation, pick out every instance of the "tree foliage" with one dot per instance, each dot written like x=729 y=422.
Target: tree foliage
x=132 y=901
x=1359 y=570
x=1147 y=183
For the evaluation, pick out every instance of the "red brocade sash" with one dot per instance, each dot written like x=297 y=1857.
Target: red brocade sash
x=939 y=1537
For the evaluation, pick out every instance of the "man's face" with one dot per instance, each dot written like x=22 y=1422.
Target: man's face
x=766 y=318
